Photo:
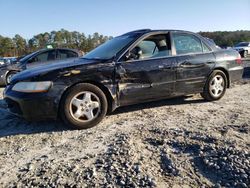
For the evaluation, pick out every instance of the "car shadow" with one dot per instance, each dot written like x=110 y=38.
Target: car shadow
x=246 y=73
x=11 y=125
x=155 y=104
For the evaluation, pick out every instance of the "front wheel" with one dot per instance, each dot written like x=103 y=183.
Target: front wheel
x=8 y=77
x=215 y=86
x=83 y=106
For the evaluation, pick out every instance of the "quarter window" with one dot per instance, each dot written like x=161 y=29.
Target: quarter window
x=186 y=44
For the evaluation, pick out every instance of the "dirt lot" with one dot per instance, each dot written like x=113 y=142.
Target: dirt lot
x=182 y=142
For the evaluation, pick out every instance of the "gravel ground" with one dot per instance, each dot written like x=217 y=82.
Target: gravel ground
x=182 y=142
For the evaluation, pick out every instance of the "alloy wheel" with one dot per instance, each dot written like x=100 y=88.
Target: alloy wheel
x=85 y=106
x=217 y=86
x=9 y=78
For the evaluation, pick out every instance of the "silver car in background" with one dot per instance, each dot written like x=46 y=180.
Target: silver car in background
x=243 y=48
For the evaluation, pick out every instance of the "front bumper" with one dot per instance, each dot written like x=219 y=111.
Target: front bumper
x=33 y=106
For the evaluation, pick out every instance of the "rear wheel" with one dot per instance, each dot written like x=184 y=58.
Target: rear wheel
x=215 y=87
x=83 y=106
x=245 y=53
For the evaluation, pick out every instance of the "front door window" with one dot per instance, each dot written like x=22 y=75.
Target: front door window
x=154 y=46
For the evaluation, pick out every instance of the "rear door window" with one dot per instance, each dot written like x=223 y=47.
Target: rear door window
x=187 y=44
x=64 y=54
x=205 y=47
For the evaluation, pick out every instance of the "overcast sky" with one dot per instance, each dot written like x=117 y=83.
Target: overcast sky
x=114 y=17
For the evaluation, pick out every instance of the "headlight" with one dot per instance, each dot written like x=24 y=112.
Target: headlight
x=32 y=87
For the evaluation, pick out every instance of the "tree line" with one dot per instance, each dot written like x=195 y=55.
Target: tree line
x=19 y=46
x=227 y=38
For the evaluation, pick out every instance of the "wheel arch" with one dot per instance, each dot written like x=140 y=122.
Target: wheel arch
x=7 y=73
x=225 y=72
x=105 y=90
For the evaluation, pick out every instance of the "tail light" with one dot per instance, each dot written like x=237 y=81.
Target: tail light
x=238 y=60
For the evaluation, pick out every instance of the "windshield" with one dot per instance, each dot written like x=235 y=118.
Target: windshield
x=27 y=56
x=110 y=48
x=242 y=44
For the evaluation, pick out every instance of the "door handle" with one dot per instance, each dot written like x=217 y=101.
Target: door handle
x=164 y=67
x=188 y=64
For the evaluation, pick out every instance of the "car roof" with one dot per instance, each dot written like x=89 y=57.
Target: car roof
x=141 y=32
x=46 y=49
x=243 y=42
x=144 y=31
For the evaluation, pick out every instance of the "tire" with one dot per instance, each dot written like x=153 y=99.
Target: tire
x=245 y=54
x=215 y=86
x=8 y=77
x=83 y=106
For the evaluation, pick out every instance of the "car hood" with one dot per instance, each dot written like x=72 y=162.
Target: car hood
x=26 y=74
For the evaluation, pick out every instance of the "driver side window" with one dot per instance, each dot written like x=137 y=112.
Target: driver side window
x=154 y=46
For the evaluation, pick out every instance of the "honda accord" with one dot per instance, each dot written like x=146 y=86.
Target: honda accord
x=139 y=66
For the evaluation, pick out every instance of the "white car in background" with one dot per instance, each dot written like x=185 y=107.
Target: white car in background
x=1 y=61
x=243 y=48
x=7 y=60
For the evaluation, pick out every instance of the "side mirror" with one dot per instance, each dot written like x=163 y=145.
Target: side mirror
x=127 y=56
x=30 y=60
x=134 y=54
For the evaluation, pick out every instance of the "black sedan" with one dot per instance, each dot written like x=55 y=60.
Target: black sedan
x=38 y=58
x=139 y=66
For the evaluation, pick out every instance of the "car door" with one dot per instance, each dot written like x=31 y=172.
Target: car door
x=147 y=75
x=195 y=61
x=42 y=58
